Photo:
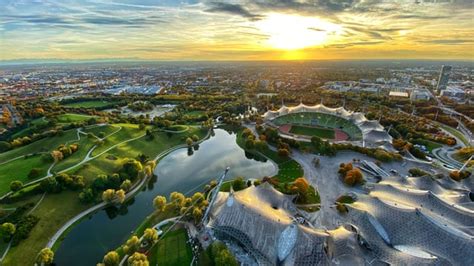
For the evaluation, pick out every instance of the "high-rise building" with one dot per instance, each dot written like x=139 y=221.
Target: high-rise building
x=443 y=78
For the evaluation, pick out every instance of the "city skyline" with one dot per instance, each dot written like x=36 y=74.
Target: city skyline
x=236 y=30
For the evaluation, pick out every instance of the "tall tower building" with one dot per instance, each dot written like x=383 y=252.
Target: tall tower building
x=443 y=78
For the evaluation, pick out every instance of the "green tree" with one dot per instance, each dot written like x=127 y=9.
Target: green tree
x=45 y=256
x=8 y=229
x=126 y=185
x=16 y=185
x=86 y=196
x=112 y=258
x=189 y=141
x=34 y=173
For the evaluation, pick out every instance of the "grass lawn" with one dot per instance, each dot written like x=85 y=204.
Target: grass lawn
x=324 y=133
x=456 y=133
x=112 y=160
x=106 y=129
x=19 y=170
x=90 y=104
x=72 y=118
x=42 y=145
x=172 y=249
x=54 y=211
x=85 y=144
x=152 y=148
x=195 y=114
x=127 y=132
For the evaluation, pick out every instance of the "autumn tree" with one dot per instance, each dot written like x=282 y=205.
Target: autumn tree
x=159 y=203
x=132 y=245
x=138 y=259
x=45 y=256
x=150 y=235
x=112 y=258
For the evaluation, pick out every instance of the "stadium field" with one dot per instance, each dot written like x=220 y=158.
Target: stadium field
x=324 y=133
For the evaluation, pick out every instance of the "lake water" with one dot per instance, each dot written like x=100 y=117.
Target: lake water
x=93 y=237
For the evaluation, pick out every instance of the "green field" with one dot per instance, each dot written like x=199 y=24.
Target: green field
x=53 y=212
x=73 y=118
x=324 y=133
x=19 y=169
x=42 y=145
x=172 y=249
x=90 y=104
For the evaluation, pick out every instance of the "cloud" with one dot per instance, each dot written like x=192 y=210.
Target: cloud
x=350 y=44
x=448 y=41
x=234 y=9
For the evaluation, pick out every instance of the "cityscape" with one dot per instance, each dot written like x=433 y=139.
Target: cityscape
x=236 y=132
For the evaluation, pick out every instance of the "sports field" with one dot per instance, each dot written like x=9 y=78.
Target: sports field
x=322 y=125
x=172 y=249
x=324 y=133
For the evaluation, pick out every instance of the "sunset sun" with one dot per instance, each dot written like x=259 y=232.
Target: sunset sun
x=292 y=32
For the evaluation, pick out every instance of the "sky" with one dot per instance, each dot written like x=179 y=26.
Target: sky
x=236 y=30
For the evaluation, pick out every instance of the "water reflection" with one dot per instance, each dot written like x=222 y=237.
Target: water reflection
x=87 y=242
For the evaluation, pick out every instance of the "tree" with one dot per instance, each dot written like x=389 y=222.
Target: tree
x=126 y=185
x=141 y=126
x=177 y=199
x=150 y=235
x=120 y=195
x=159 y=202
x=45 y=256
x=355 y=174
x=189 y=141
x=112 y=258
x=132 y=245
x=108 y=195
x=16 y=185
x=132 y=168
x=138 y=259
x=197 y=215
x=197 y=198
x=283 y=153
x=225 y=258
x=87 y=196
x=8 y=229
x=34 y=173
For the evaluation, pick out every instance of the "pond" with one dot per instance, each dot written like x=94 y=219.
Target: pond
x=182 y=170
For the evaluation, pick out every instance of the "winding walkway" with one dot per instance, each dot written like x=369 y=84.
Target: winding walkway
x=132 y=192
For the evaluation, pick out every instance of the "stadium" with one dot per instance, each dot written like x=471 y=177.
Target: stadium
x=338 y=125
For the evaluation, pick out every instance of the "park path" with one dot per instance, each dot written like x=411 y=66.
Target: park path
x=132 y=192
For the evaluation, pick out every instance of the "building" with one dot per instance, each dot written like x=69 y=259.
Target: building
x=420 y=95
x=443 y=78
x=454 y=93
x=398 y=94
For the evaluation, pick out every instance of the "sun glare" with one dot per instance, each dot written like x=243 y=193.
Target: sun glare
x=292 y=32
